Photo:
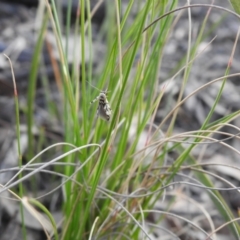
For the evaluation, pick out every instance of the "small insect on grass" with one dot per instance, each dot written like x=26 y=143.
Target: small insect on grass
x=103 y=111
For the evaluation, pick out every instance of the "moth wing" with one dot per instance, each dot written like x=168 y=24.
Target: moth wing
x=104 y=113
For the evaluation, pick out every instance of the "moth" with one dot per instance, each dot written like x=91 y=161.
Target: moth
x=104 y=110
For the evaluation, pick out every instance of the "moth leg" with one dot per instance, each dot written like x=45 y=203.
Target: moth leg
x=94 y=100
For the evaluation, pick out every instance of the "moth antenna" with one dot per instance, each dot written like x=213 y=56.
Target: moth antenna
x=106 y=91
x=93 y=86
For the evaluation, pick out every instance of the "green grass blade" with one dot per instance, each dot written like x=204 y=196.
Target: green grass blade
x=235 y=5
x=32 y=85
